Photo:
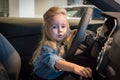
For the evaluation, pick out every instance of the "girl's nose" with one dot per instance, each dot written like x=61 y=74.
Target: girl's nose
x=60 y=29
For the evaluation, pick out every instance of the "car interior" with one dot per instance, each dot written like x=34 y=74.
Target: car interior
x=100 y=45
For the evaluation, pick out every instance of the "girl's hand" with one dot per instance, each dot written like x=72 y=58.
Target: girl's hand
x=82 y=71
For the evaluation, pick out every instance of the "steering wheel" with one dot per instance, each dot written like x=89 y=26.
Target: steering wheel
x=79 y=37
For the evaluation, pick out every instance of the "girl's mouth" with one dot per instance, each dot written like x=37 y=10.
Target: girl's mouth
x=60 y=36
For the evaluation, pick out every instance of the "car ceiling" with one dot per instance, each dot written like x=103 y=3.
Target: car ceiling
x=105 y=5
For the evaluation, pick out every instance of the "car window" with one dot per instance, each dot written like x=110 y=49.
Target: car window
x=71 y=13
x=76 y=12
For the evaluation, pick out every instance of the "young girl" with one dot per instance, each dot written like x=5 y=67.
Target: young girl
x=48 y=59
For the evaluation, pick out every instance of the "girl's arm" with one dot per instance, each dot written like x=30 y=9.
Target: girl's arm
x=68 y=66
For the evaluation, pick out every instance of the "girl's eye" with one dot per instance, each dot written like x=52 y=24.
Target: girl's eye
x=54 y=26
x=63 y=26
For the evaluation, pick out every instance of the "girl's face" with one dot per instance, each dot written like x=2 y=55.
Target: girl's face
x=57 y=28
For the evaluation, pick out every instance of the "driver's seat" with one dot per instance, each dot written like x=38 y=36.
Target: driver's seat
x=9 y=58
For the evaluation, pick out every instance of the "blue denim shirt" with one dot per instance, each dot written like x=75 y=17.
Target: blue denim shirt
x=44 y=65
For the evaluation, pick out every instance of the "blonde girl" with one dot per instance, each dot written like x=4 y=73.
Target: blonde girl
x=48 y=59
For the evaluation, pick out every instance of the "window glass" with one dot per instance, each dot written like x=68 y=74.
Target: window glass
x=76 y=12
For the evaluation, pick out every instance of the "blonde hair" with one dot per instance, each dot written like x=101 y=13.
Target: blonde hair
x=53 y=11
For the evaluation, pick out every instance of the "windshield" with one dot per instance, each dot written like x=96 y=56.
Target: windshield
x=77 y=12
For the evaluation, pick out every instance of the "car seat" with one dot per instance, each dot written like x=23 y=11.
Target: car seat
x=9 y=58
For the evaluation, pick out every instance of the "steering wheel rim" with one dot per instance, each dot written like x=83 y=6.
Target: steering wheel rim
x=79 y=37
